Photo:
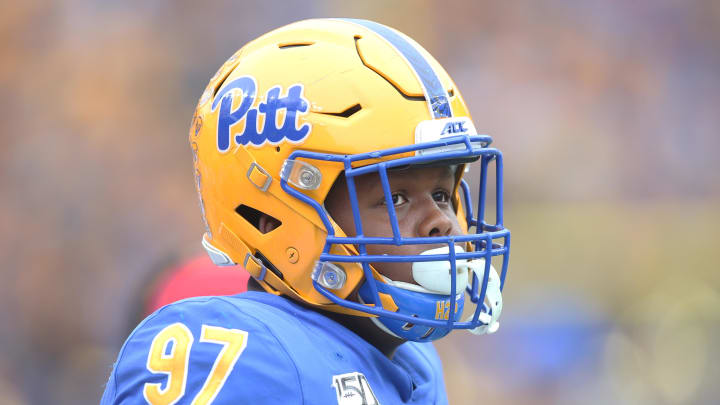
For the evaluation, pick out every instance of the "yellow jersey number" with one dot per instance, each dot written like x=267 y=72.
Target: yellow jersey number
x=173 y=361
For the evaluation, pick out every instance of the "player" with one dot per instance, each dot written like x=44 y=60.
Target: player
x=329 y=159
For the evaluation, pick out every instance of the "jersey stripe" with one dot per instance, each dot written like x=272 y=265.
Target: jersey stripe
x=435 y=94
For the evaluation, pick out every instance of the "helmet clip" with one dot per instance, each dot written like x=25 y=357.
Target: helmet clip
x=259 y=177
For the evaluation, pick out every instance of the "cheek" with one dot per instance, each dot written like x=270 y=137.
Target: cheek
x=380 y=227
x=394 y=271
x=376 y=223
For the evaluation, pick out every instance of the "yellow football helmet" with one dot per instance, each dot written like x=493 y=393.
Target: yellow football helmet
x=294 y=109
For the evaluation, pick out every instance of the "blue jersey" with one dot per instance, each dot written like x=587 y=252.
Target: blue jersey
x=258 y=348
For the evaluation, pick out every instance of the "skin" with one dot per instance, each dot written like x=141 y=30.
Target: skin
x=423 y=206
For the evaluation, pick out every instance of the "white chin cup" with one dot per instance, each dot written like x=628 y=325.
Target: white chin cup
x=493 y=299
x=435 y=277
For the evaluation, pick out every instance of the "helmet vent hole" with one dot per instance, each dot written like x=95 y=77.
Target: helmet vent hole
x=252 y=215
x=428 y=333
x=409 y=325
x=287 y=45
x=347 y=113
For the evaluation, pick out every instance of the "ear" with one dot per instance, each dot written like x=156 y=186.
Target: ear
x=267 y=223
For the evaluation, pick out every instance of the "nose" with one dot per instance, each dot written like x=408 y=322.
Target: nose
x=434 y=221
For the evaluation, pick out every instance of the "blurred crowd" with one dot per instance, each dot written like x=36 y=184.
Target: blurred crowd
x=606 y=112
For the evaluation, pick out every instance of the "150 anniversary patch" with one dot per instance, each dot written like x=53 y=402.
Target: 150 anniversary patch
x=353 y=389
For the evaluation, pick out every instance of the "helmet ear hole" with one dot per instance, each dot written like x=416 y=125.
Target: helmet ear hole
x=261 y=221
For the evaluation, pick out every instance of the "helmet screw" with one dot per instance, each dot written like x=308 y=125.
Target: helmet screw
x=292 y=255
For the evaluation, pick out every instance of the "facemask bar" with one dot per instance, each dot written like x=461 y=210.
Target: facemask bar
x=457 y=147
x=478 y=297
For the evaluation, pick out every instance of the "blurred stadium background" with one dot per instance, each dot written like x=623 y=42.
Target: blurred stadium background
x=607 y=112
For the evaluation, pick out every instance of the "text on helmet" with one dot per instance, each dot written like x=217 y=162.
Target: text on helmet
x=293 y=104
x=456 y=127
x=442 y=310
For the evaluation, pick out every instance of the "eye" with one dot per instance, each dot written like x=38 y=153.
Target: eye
x=397 y=199
x=441 y=196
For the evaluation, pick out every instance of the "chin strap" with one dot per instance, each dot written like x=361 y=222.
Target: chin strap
x=382 y=327
x=492 y=307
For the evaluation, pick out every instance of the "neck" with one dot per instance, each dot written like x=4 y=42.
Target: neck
x=367 y=330
x=361 y=326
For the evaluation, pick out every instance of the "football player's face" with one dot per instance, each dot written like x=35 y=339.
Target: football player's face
x=422 y=198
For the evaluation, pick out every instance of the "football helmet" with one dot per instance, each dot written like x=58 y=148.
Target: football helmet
x=298 y=107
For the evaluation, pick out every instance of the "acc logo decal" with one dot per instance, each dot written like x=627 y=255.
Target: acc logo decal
x=456 y=127
x=293 y=104
x=437 y=129
x=353 y=389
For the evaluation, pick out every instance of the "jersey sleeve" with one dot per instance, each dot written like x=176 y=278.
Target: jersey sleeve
x=201 y=351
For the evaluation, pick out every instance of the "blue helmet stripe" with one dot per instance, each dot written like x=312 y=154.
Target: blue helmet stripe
x=435 y=94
